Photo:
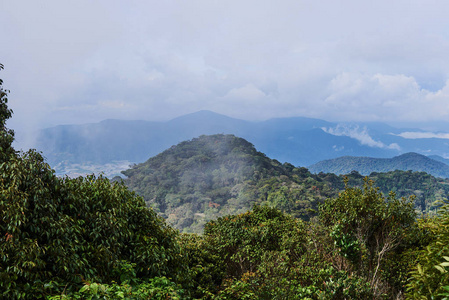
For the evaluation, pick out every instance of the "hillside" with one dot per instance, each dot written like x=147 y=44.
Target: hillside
x=367 y=165
x=77 y=149
x=439 y=158
x=213 y=176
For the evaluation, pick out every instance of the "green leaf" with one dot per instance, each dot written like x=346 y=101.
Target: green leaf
x=420 y=269
x=85 y=288
x=440 y=269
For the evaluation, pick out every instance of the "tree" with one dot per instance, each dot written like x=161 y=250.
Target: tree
x=270 y=255
x=58 y=233
x=366 y=227
x=259 y=249
x=429 y=278
x=6 y=135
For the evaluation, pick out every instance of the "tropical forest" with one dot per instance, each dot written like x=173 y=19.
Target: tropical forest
x=213 y=218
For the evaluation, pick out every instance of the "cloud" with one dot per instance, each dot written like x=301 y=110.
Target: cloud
x=422 y=135
x=247 y=92
x=345 y=60
x=381 y=97
x=360 y=134
x=338 y=148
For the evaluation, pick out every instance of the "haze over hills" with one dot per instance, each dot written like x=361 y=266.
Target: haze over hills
x=300 y=141
x=212 y=176
x=367 y=165
x=439 y=158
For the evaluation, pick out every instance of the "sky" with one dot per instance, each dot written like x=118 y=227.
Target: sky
x=74 y=62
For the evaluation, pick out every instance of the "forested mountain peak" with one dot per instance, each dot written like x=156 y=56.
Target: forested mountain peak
x=210 y=176
x=367 y=165
x=207 y=153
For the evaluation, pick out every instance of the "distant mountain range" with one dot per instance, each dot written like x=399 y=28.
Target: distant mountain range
x=435 y=166
x=300 y=141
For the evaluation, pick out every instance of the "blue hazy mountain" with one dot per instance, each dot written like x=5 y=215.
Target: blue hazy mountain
x=368 y=165
x=300 y=141
x=440 y=159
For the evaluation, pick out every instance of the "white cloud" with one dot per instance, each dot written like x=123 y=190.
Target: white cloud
x=381 y=97
x=423 y=135
x=338 y=148
x=247 y=92
x=360 y=134
x=346 y=60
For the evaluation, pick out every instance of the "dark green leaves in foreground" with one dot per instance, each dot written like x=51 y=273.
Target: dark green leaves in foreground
x=60 y=233
x=368 y=228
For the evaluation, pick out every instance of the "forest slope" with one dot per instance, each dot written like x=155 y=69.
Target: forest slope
x=367 y=165
x=213 y=176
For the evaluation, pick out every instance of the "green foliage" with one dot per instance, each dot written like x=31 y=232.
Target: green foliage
x=213 y=176
x=429 y=191
x=71 y=230
x=270 y=255
x=89 y=238
x=6 y=135
x=430 y=277
x=366 y=228
x=57 y=234
x=158 y=288
x=5 y=112
x=206 y=267
x=242 y=241
x=367 y=165
x=257 y=249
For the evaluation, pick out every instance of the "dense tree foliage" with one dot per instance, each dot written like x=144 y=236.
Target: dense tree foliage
x=368 y=165
x=6 y=135
x=280 y=232
x=212 y=176
x=367 y=228
x=430 y=276
x=267 y=254
x=362 y=246
x=59 y=233
x=429 y=191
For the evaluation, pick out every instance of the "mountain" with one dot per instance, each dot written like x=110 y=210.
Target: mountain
x=367 y=165
x=119 y=140
x=213 y=176
x=298 y=140
x=440 y=159
x=217 y=175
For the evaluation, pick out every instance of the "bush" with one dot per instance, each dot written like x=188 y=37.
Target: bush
x=69 y=231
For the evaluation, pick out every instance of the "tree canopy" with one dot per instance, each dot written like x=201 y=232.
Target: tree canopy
x=6 y=135
x=280 y=232
x=58 y=234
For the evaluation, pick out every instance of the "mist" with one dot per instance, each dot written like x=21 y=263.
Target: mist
x=82 y=62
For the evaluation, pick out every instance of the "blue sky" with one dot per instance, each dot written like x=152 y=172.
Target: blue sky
x=84 y=61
